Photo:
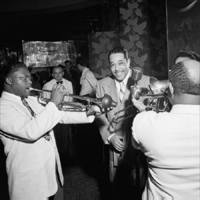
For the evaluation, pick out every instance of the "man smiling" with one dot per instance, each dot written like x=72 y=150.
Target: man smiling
x=115 y=127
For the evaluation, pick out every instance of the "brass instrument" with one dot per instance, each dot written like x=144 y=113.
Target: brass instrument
x=105 y=103
x=155 y=97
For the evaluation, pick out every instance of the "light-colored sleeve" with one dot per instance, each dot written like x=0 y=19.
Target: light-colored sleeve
x=142 y=127
x=89 y=84
x=134 y=129
x=17 y=123
x=102 y=120
x=76 y=117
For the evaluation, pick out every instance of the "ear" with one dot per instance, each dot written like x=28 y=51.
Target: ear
x=129 y=62
x=171 y=89
x=8 y=81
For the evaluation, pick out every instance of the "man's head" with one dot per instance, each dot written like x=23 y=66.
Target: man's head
x=68 y=64
x=18 y=80
x=185 y=79
x=185 y=55
x=58 y=73
x=119 y=63
x=81 y=63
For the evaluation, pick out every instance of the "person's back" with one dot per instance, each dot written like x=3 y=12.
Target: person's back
x=171 y=140
x=172 y=144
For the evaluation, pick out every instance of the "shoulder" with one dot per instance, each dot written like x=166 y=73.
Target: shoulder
x=49 y=83
x=67 y=81
x=144 y=81
x=106 y=81
x=90 y=74
x=150 y=117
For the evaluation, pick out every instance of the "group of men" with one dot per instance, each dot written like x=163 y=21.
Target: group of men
x=169 y=140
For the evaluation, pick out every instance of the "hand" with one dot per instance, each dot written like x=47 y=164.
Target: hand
x=104 y=110
x=139 y=104
x=57 y=94
x=93 y=110
x=117 y=142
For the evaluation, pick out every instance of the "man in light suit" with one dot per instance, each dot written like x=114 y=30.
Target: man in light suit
x=115 y=126
x=26 y=132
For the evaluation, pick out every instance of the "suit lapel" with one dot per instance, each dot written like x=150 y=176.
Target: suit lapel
x=113 y=91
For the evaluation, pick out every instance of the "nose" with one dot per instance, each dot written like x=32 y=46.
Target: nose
x=116 y=67
x=29 y=81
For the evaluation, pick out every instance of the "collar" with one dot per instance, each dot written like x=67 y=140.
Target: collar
x=8 y=95
x=57 y=81
x=185 y=108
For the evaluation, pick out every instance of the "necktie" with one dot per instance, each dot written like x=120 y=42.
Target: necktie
x=25 y=103
x=59 y=82
x=121 y=91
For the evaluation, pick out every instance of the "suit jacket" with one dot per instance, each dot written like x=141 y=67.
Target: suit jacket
x=122 y=124
x=31 y=167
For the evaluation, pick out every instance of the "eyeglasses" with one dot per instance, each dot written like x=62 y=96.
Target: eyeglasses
x=24 y=78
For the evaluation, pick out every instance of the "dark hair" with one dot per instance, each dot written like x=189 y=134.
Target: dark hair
x=82 y=61
x=13 y=68
x=188 y=54
x=7 y=71
x=57 y=66
x=181 y=80
x=118 y=50
x=68 y=61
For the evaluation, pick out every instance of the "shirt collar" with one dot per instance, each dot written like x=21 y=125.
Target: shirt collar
x=8 y=95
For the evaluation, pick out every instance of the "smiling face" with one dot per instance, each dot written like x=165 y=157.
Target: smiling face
x=19 y=82
x=119 y=65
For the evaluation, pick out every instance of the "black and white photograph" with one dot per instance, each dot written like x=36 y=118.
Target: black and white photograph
x=100 y=100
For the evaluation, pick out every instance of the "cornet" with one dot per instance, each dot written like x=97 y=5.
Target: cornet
x=105 y=103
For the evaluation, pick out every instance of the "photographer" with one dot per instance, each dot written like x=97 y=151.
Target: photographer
x=171 y=140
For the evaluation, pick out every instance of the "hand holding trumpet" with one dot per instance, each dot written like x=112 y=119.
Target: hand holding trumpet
x=57 y=94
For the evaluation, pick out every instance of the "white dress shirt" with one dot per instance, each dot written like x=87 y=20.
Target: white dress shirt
x=49 y=85
x=171 y=142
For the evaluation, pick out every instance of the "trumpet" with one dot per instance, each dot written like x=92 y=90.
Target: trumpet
x=105 y=103
x=155 y=97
